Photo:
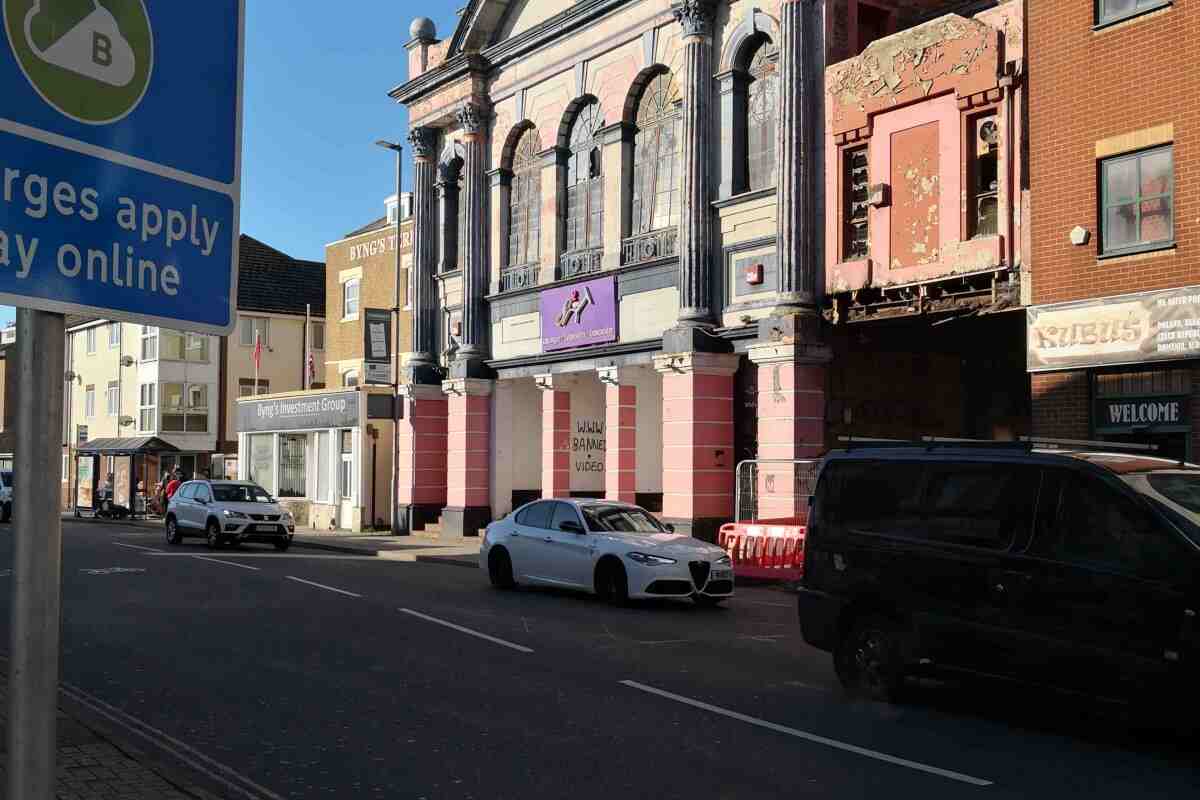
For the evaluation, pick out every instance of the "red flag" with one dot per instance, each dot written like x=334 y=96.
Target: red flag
x=312 y=369
x=257 y=351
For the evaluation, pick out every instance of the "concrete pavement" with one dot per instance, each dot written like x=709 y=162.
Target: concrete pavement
x=311 y=674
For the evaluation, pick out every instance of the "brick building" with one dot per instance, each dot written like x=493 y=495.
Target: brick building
x=1114 y=132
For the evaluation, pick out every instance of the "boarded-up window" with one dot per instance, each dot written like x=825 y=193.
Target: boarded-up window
x=525 y=202
x=656 y=157
x=585 y=188
x=916 y=197
x=763 y=116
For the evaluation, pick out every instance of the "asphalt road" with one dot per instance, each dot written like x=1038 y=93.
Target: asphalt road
x=306 y=675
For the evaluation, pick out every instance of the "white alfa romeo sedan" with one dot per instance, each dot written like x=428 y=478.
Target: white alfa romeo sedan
x=615 y=550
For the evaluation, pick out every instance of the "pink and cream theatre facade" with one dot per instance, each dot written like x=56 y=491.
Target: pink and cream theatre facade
x=618 y=251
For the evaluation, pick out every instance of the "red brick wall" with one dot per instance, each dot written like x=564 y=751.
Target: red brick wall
x=1086 y=86
x=1060 y=404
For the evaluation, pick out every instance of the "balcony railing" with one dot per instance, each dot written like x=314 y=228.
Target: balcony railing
x=522 y=277
x=650 y=246
x=579 y=262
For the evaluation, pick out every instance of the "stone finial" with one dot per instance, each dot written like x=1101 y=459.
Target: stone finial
x=422 y=140
x=422 y=29
x=471 y=117
x=694 y=16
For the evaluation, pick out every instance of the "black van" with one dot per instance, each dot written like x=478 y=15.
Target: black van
x=1076 y=570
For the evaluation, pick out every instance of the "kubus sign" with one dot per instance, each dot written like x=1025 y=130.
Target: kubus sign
x=120 y=159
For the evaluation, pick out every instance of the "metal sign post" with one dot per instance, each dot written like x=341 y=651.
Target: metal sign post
x=37 y=556
x=120 y=148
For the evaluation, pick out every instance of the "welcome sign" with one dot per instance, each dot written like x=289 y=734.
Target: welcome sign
x=579 y=315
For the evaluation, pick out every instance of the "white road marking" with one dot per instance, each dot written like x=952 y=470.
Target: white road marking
x=812 y=737
x=113 y=571
x=519 y=648
x=322 y=586
x=228 y=563
x=253 y=554
x=137 y=547
x=239 y=784
x=669 y=641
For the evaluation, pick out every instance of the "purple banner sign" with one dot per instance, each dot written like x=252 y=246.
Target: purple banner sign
x=580 y=314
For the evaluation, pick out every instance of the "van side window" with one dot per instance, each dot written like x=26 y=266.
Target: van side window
x=1097 y=527
x=980 y=505
x=881 y=497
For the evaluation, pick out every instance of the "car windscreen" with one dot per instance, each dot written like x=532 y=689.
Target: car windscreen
x=240 y=494
x=1182 y=489
x=620 y=519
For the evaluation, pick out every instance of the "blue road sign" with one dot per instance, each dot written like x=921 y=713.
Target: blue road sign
x=120 y=159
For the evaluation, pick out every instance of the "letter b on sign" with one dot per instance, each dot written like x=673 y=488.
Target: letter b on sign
x=101 y=49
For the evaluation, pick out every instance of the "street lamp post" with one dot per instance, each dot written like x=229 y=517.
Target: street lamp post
x=397 y=528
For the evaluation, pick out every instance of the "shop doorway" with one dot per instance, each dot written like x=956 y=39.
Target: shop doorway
x=346 y=493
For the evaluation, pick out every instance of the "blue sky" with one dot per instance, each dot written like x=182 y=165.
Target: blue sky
x=317 y=77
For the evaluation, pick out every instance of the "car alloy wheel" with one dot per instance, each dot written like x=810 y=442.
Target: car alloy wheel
x=500 y=571
x=868 y=660
x=173 y=536
x=214 y=535
x=612 y=584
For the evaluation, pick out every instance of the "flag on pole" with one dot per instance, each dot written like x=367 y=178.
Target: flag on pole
x=308 y=365
x=257 y=358
x=312 y=370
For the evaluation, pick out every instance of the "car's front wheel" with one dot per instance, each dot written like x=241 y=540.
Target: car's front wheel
x=213 y=534
x=173 y=534
x=500 y=569
x=283 y=544
x=612 y=584
x=869 y=659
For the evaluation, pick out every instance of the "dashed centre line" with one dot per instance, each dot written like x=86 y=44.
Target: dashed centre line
x=137 y=547
x=811 y=737
x=518 y=647
x=322 y=586
x=227 y=563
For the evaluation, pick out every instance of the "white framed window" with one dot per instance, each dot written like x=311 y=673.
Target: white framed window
x=147 y=406
x=318 y=336
x=149 y=343
x=90 y=337
x=246 y=387
x=114 y=335
x=323 y=465
x=252 y=326
x=179 y=346
x=350 y=378
x=185 y=408
x=346 y=467
x=112 y=399
x=89 y=401
x=350 y=299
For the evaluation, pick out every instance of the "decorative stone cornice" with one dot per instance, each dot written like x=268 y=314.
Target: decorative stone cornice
x=423 y=140
x=694 y=16
x=790 y=353
x=471 y=117
x=697 y=363
x=468 y=387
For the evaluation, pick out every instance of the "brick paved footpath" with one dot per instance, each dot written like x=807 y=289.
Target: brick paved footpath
x=91 y=766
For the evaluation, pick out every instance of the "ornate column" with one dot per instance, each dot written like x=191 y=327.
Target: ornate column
x=468 y=456
x=620 y=432
x=473 y=249
x=800 y=206
x=423 y=140
x=556 y=437
x=695 y=225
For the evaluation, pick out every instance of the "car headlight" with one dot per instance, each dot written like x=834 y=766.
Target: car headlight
x=723 y=561
x=649 y=560
x=234 y=514
x=287 y=516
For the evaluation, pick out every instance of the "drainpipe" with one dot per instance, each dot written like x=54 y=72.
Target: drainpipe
x=1011 y=154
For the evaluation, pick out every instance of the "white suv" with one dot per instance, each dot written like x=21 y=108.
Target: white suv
x=233 y=511
x=6 y=495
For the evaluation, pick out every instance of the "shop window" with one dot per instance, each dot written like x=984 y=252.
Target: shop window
x=1137 y=201
x=254 y=329
x=323 y=466
x=89 y=401
x=1110 y=11
x=525 y=202
x=149 y=343
x=292 y=465
x=262 y=461
x=246 y=387
x=856 y=185
x=112 y=399
x=656 y=192
x=146 y=406
x=114 y=335
x=90 y=339
x=983 y=200
x=585 y=187
x=762 y=108
x=350 y=299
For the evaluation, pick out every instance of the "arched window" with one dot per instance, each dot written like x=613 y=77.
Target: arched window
x=585 y=188
x=656 y=192
x=762 y=109
x=525 y=202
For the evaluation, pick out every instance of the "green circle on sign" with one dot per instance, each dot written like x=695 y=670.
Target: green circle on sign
x=90 y=59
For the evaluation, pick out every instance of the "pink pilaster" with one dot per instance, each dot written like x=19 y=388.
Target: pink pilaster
x=620 y=447
x=791 y=426
x=556 y=439
x=421 y=455
x=468 y=458
x=698 y=457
